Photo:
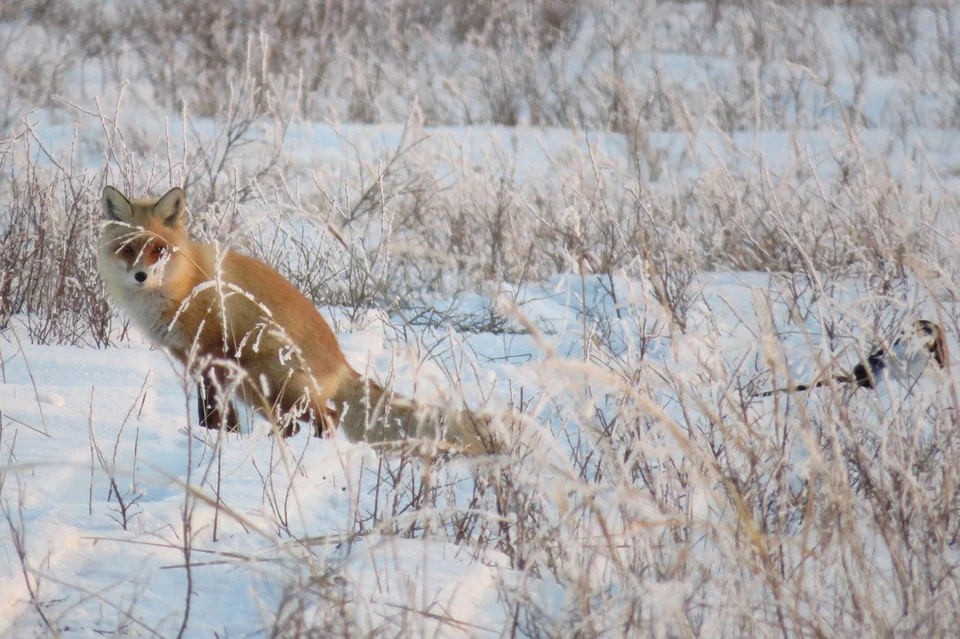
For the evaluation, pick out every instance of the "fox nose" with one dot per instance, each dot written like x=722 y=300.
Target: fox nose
x=140 y=276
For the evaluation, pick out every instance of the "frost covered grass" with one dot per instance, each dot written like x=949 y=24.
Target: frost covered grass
x=619 y=221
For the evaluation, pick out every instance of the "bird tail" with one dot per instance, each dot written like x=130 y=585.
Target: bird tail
x=802 y=387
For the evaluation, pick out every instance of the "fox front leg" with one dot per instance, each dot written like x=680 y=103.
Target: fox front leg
x=213 y=408
x=324 y=422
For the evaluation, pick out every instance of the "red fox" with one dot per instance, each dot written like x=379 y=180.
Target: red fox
x=248 y=332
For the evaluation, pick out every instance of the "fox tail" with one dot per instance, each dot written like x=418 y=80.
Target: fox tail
x=368 y=412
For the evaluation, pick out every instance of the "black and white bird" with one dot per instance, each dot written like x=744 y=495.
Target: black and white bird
x=906 y=359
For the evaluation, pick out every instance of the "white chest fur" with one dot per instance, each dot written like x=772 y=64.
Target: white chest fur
x=151 y=311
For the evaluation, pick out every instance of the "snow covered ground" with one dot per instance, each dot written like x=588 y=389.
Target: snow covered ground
x=102 y=456
x=99 y=457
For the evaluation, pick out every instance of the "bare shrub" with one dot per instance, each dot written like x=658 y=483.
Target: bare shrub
x=48 y=249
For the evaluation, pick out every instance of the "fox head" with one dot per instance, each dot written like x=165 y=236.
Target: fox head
x=141 y=239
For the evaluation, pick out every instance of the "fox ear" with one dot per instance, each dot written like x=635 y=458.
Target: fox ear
x=170 y=207
x=116 y=206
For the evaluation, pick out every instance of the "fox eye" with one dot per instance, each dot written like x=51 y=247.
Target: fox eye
x=159 y=250
x=126 y=250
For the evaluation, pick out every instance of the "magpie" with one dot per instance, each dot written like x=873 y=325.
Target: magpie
x=906 y=358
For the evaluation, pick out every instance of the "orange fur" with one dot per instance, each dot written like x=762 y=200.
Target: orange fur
x=243 y=326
